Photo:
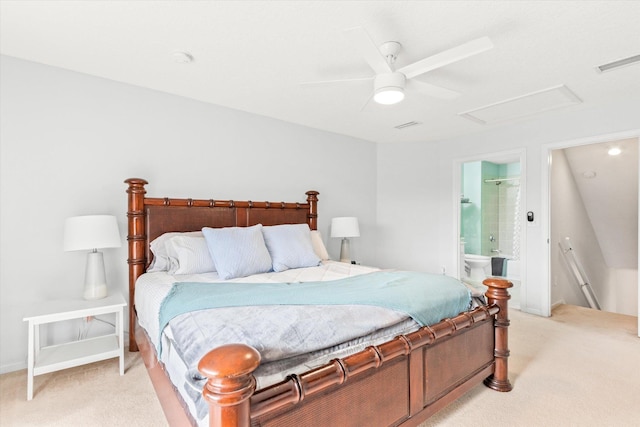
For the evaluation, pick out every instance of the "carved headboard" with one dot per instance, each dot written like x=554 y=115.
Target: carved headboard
x=148 y=218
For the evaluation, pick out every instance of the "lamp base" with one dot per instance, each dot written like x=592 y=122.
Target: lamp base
x=95 y=292
x=344 y=251
x=95 y=281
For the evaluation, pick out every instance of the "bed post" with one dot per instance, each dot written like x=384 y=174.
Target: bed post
x=136 y=242
x=229 y=369
x=499 y=295
x=312 y=217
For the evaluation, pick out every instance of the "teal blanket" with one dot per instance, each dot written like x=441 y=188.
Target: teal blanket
x=427 y=298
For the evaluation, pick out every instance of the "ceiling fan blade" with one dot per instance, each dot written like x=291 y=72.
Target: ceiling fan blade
x=324 y=82
x=432 y=90
x=359 y=38
x=447 y=57
x=367 y=105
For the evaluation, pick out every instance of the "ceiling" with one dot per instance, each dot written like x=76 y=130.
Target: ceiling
x=253 y=55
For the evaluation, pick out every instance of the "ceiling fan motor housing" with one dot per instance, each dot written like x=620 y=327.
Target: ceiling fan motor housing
x=394 y=79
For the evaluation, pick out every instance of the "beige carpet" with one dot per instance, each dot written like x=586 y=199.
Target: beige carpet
x=578 y=368
x=91 y=395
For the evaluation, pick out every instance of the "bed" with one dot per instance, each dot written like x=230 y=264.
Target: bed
x=400 y=375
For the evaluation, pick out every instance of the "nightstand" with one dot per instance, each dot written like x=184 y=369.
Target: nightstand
x=42 y=360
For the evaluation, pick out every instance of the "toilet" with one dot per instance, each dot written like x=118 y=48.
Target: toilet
x=477 y=266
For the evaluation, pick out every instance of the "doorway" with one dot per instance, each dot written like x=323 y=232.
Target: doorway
x=489 y=191
x=594 y=214
x=602 y=240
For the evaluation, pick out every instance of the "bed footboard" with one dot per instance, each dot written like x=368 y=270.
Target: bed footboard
x=400 y=382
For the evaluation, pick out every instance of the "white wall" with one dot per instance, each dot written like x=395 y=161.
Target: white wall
x=569 y=218
x=621 y=287
x=424 y=178
x=407 y=210
x=68 y=141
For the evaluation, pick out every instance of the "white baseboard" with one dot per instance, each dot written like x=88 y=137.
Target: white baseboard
x=12 y=367
x=557 y=303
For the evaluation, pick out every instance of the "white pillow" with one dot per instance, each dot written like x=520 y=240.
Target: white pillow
x=191 y=253
x=290 y=246
x=238 y=251
x=161 y=261
x=318 y=245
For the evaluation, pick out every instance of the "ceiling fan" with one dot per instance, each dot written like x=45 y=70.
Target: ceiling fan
x=389 y=83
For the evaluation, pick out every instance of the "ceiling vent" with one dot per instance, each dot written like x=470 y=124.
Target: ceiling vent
x=407 y=125
x=618 y=64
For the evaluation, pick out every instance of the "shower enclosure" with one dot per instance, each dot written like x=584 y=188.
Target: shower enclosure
x=490 y=209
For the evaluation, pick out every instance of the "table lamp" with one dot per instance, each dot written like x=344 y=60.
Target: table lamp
x=92 y=232
x=345 y=227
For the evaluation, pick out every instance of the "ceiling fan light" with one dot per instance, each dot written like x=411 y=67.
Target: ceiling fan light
x=389 y=95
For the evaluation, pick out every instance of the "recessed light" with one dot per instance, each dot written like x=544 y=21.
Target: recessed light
x=182 y=57
x=614 y=151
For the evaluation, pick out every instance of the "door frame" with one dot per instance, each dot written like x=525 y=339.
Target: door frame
x=520 y=155
x=546 y=196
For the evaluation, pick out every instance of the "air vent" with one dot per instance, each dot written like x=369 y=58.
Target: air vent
x=619 y=63
x=407 y=125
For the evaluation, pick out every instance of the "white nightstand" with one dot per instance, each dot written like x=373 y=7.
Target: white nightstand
x=62 y=356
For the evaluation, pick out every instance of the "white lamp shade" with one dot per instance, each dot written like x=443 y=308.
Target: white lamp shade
x=91 y=232
x=346 y=226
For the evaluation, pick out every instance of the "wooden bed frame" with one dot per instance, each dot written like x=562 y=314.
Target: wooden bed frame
x=398 y=383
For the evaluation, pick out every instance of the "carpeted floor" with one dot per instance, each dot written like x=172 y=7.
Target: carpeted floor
x=92 y=395
x=578 y=368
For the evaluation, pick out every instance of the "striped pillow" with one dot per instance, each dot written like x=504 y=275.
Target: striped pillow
x=238 y=251
x=189 y=255
x=290 y=246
